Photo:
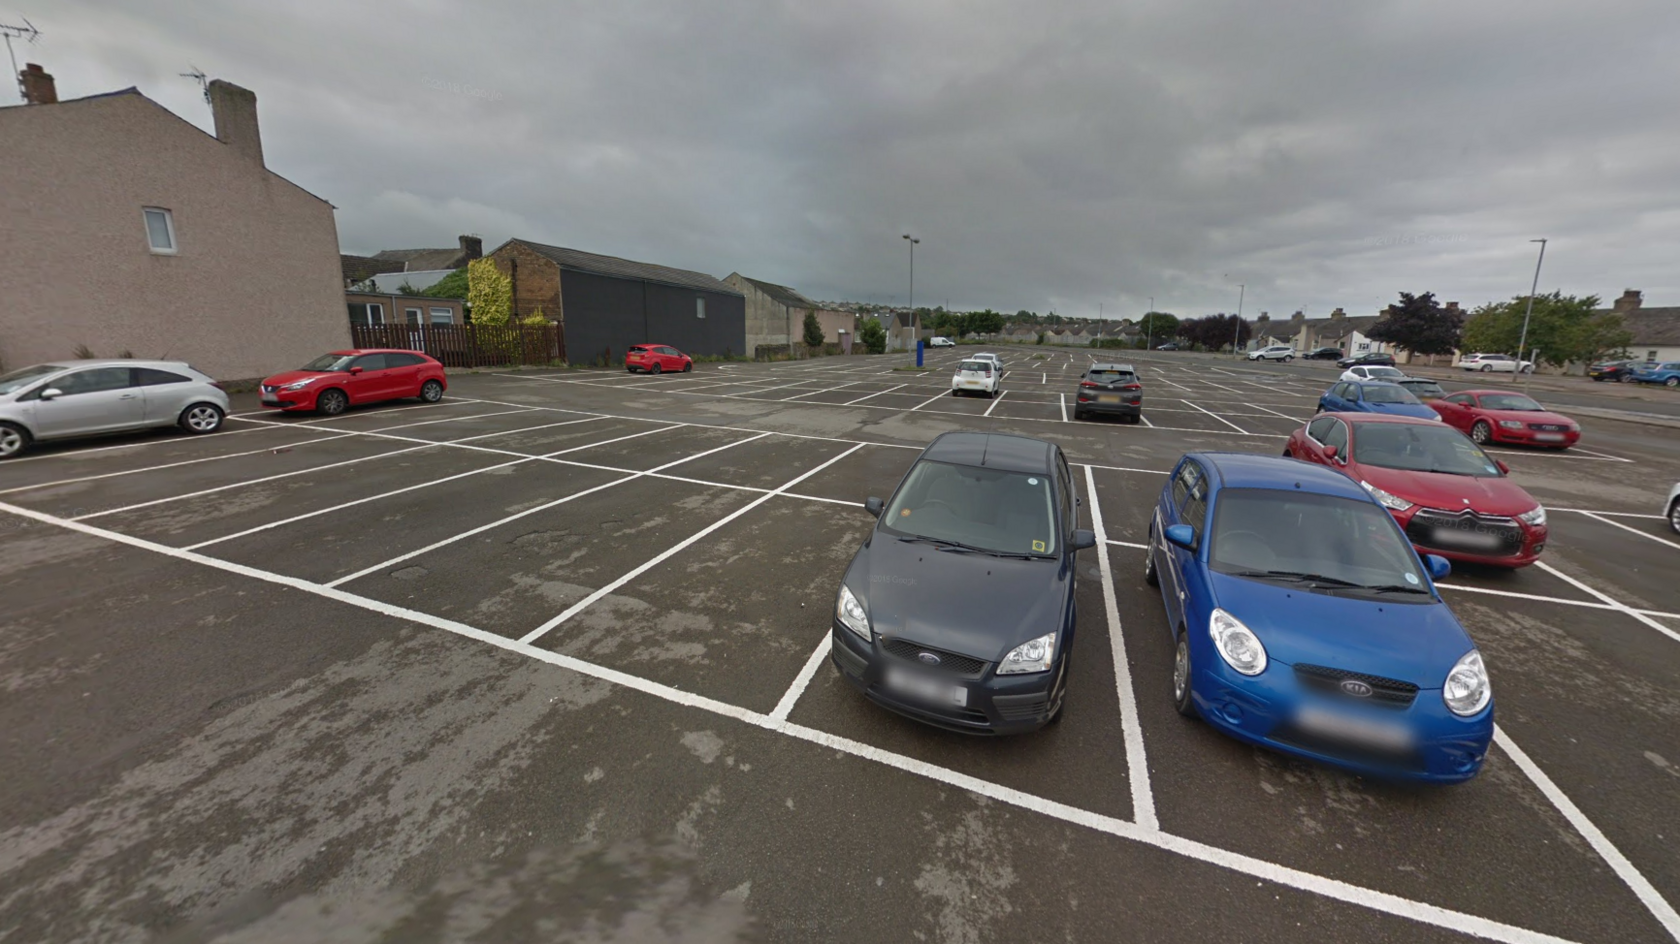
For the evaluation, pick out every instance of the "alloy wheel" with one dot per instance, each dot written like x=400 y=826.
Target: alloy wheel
x=1481 y=433
x=203 y=418
x=431 y=391
x=11 y=442
x=1181 y=668
x=332 y=402
x=1674 y=515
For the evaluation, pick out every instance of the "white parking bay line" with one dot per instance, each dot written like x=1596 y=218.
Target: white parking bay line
x=784 y=707
x=933 y=399
x=1618 y=524
x=1647 y=895
x=1061 y=398
x=1216 y=416
x=1548 y=568
x=173 y=465
x=1137 y=765
x=588 y=601
x=1359 y=896
x=995 y=400
x=875 y=394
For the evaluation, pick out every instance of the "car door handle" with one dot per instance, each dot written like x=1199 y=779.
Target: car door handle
x=129 y=396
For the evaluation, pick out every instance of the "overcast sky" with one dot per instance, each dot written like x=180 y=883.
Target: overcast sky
x=1051 y=155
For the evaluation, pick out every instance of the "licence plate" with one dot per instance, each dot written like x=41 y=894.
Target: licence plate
x=270 y=398
x=1548 y=437
x=925 y=688
x=1450 y=537
x=1353 y=729
x=1108 y=399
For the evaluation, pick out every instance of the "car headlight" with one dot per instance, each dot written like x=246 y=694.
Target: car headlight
x=1537 y=517
x=299 y=385
x=1511 y=424
x=1467 y=690
x=1034 y=655
x=848 y=609
x=1237 y=644
x=1386 y=499
x=1438 y=418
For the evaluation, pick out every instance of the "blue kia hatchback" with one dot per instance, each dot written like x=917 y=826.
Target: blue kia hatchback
x=1370 y=396
x=1304 y=621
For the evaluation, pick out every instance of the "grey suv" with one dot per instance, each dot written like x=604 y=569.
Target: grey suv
x=93 y=397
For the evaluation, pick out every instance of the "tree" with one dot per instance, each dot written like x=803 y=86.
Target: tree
x=813 y=330
x=1158 y=325
x=873 y=336
x=1563 y=329
x=489 y=292
x=1419 y=324
x=453 y=285
x=1214 y=332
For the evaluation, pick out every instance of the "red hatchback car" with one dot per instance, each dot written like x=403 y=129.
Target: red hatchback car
x=1500 y=416
x=656 y=359
x=1449 y=496
x=332 y=383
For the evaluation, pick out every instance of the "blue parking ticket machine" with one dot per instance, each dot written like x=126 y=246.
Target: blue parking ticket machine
x=920 y=345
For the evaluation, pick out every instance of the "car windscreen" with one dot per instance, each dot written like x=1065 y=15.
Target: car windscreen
x=981 y=366
x=986 y=509
x=1388 y=393
x=1509 y=401
x=1432 y=448
x=330 y=362
x=1376 y=372
x=23 y=377
x=1291 y=537
x=1111 y=376
x=1424 y=388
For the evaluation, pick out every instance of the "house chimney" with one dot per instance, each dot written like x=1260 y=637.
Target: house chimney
x=1338 y=313
x=1453 y=307
x=38 y=86
x=1630 y=301
x=472 y=247
x=235 y=111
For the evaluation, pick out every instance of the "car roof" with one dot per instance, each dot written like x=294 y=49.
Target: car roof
x=1356 y=418
x=1109 y=366
x=1252 y=470
x=992 y=451
x=114 y=362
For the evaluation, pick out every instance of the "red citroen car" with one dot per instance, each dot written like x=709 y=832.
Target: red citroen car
x=656 y=359
x=332 y=383
x=1500 y=416
x=1449 y=496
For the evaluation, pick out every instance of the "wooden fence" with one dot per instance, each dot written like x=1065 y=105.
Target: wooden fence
x=470 y=345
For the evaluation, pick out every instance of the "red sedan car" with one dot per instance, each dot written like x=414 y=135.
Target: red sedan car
x=1449 y=496
x=1500 y=416
x=656 y=359
x=332 y=383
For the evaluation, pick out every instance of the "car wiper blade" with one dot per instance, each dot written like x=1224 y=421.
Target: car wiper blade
x=1299 y=575
x=1392 y=588
x=941 y=543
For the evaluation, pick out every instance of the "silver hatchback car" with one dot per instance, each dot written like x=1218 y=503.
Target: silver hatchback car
x=93 y=397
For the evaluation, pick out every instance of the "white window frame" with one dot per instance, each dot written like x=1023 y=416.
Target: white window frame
x=174 y=246
x=447 y=313
x=411 y=311
x=699 y=306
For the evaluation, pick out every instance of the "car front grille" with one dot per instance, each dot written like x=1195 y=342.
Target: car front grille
x=269 y=388
x=949 y=662
x=1455 y=531
x=1385 y=692
x=1548 y=427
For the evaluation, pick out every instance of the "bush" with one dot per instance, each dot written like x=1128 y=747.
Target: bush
x=873 y=336
x=813 y=331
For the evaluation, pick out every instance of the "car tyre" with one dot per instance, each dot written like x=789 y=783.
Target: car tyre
x=1674 y=515
x=14 y=439
x=1150 y=575
x=201 y=418
x=431 y=391
x=1486 y=368
x=331 y=402
x=688 y=366
x=1626 y=378
x=1481 y=433
x=1182 y=699
x=1672 y=382
x=656 y=369
x=1288 y=357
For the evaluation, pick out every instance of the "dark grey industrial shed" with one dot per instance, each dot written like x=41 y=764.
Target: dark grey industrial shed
x=606 y=304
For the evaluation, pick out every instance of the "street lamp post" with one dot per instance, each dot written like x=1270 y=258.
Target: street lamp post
x=1236 y=335
x=913 y=242
x=1149 y=326
x=1535 y=287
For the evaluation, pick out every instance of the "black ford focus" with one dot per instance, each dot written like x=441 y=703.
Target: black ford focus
x=958 y=610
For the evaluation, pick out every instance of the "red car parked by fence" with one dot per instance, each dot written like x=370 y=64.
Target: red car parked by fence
x=332 y=383
x=656 y=359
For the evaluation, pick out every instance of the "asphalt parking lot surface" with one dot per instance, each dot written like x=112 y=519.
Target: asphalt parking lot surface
x=549 y=658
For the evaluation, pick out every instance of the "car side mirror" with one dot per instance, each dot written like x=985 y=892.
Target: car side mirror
x=51 y=393
x=1182 y=535
x=874 y=506
x=1439 y=567
x=355 y=370
x=1502 y=466
x=1083 y=538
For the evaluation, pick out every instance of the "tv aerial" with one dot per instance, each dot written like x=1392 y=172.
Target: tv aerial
x=198 y=76
x=29 y=34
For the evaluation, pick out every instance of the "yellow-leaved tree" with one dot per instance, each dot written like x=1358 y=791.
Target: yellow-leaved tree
x=489 y=292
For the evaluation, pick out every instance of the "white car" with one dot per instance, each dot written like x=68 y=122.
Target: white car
x=1275 y=352
x=977 y=375
x=1674 y=508
x=1373 y=372
x=94 y=397
x=1496 y=363
x=989 y=357
x=941 y=342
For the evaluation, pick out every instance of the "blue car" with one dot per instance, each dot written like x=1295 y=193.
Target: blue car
x=1304 y=621
x=1667 y=374
x=1371 y=396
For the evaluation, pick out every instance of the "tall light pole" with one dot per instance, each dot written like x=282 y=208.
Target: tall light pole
x=1149 y=326
x=1530 y=312
x=913 y=242
x=1236 y=335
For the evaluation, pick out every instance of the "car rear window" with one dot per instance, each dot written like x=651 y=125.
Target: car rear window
x=637 y=349
x=1384 y=393
x=151 y=377
x=1112 y=376
x=984 y=366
